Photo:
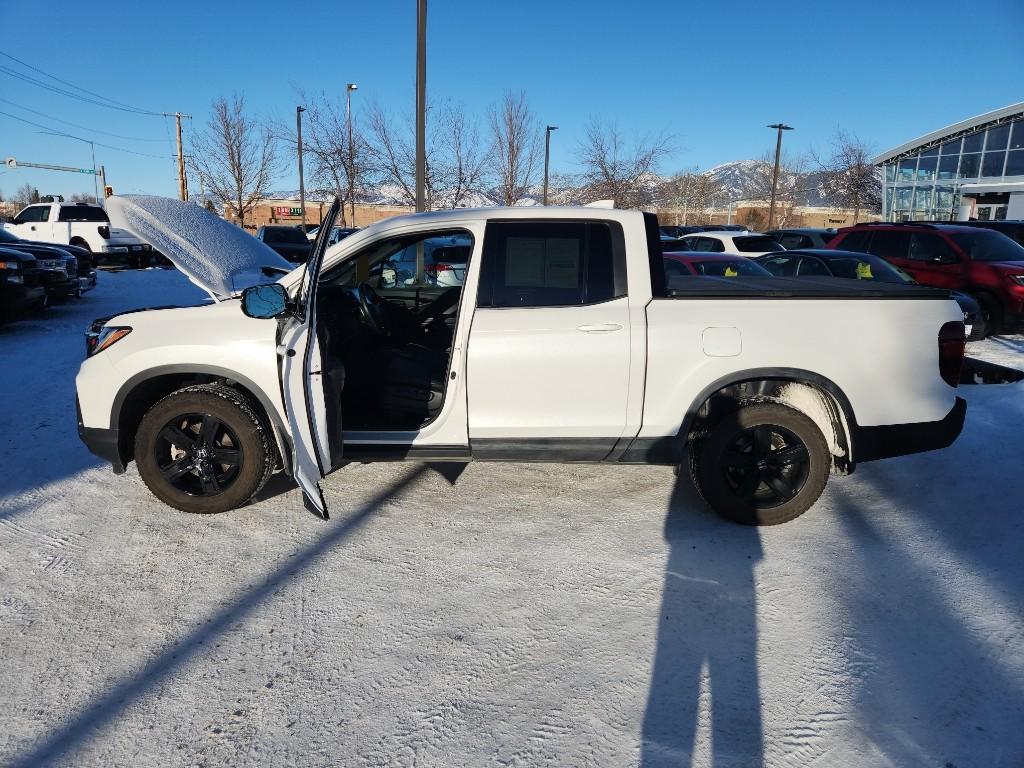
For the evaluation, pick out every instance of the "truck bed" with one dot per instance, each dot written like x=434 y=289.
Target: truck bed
x=707 y=287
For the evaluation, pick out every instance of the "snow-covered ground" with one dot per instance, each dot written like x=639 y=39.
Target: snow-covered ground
x=503 y=614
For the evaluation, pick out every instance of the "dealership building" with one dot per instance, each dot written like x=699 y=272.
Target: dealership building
x=971 y=170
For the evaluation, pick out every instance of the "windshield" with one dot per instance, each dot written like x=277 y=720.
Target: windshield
x=82 y=213
x=755 y=244
x=865 y=267
x=284 y=235
x=736 y=268
x=989 y=246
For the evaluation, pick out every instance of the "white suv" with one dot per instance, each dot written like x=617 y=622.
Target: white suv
x=744 y=243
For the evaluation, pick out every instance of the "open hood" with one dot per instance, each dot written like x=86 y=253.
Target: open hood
x=216 y=255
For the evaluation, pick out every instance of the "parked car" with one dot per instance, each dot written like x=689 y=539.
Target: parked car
x=444 y=261
x=84 y=259
x=745 y=243
x=290 y=242
x=675 y=232
x=59 y=271
x=337 y=234
x=712 y=265
x=572 y=346
x=82 y=225
x=20 y=289
x=722 y=228
x=988 y=265
x=669 y=243
x=1012 y=229
x=822 y=262
x=803 y=237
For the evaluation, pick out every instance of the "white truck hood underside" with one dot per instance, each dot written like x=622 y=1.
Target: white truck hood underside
x=216 y=255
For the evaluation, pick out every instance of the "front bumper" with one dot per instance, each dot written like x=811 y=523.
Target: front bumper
x=102 y=443
x=15 y=299
x=884 y=442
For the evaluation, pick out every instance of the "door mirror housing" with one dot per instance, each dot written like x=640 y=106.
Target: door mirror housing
x=265 y=302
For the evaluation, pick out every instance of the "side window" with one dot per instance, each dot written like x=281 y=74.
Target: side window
x=780 y=266
x=790 y=241
x=380 y=264
x=552 y=264
x=925 y=246
x=33 y=214
x=890 y=245
x=812 y=266
x=717 y=246
x=857 y=240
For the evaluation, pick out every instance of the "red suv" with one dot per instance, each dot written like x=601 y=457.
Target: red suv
x=986 y=264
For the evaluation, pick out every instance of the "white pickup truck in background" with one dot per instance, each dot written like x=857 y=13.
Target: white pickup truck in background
x=565 y=342
x=81 y=224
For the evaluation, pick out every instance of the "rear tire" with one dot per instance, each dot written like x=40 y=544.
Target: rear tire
x=992 y=312
x=765 y=464
x=204 y=449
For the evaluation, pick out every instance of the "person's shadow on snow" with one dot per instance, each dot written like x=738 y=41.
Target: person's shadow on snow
x=704 y=677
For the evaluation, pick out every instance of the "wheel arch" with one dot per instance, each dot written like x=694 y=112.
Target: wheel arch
x=140 y=392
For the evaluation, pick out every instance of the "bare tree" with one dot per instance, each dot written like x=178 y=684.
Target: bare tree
x=515 y=148
x=848 y=178
x=81 y=197
x=235 y=157
x=689 y=191
x=617 y=170
x=26 y=194
x=758 y=186
x=461 y=169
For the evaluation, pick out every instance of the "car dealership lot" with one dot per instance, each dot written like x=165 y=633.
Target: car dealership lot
x=500 y=614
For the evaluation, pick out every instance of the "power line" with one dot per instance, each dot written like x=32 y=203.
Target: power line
x=75 y=125
x=71 y=136
x=113 y=104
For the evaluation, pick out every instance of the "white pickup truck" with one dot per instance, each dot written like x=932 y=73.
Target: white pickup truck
x=565 y=343
x=81 y=224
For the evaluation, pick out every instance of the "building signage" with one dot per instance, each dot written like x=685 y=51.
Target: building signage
x=284 y=210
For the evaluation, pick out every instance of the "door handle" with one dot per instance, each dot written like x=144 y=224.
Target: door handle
x=599 y=328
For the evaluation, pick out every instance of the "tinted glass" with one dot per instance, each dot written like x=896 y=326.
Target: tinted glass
x=866 y=267
x=1015 y=162
x=284 y=235
x=922 y=198
x=974 y=142
x=755 y=244
x=997 y=137
x=792 y=240
x=924 y=246
x=989 y=246
x=811 y=266
x=993 y=163
x=784 y=266
x=969 y=166
x=81 y=213
x=951 y=147
x=888 y=244
x=551 y=264
x=1017 y=136
x=855 y=241
x=930 y=152
x=947 y=166
x=907 y=169
x=926 y=168
x=733 y=268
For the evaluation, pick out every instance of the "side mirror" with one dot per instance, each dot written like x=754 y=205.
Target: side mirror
x=265 y=301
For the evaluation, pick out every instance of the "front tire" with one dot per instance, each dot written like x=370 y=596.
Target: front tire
x=765 y=464
x=204 y=449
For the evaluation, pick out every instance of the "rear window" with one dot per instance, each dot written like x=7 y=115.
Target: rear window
x=737 y=268
x=989 y=246
x=865 y=268
x=284 y=235
x=855 y=241
x=755 y=244
x=82 y=213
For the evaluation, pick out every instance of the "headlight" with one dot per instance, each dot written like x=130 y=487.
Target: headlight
x=9 y=264
x=1018 y=279
x=107 y=336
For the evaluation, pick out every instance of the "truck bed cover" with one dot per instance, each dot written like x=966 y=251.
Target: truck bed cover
x=708 y=287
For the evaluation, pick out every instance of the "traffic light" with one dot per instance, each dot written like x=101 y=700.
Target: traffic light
x=108 y=191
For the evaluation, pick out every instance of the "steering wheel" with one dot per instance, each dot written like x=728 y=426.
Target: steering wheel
x=371 y=307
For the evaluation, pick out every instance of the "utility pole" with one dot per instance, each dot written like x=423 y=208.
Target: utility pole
x=182 y=180
x=302 y=183
x=351 y=150
x=103 y=179
x=780 y=127
x=547 y=158
x=421 y=105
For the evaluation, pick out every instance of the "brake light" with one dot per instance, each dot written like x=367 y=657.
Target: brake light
x=952 y=338
x=104 y=231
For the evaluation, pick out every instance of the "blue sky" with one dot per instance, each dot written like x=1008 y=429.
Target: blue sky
x=711 y=74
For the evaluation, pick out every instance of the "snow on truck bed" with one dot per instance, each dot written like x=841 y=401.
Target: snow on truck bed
x=503 y=614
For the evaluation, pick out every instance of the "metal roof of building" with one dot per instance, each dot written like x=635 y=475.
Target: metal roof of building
x=1013 y=110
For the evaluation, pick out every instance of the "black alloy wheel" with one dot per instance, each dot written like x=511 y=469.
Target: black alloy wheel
x=198 y=454
x=766 y=466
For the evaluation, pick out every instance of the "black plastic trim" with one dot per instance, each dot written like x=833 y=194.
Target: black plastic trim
x=403 y=452
x=103 y=443
x=884 y=442
x=568 y=449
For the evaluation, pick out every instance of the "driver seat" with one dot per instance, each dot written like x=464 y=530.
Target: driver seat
x=412 y=384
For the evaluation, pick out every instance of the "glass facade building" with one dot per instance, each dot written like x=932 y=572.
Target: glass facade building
x=971 y=169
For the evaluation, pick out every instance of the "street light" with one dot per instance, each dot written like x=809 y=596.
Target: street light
x=780 y=127
x=547 y=157
x=351 y=150
x=421 y=107
x=302 y=183
x=95 y=183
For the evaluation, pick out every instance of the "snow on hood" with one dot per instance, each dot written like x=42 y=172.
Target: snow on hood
x=216 y=255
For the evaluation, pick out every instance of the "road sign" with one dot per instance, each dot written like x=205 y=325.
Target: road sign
x=10 y=162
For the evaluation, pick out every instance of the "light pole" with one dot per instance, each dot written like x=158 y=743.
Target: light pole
x=547 y=157
x=351 y=150
x=421 y=105
x=95 y=183
x=780 y=127
x=302 y=183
